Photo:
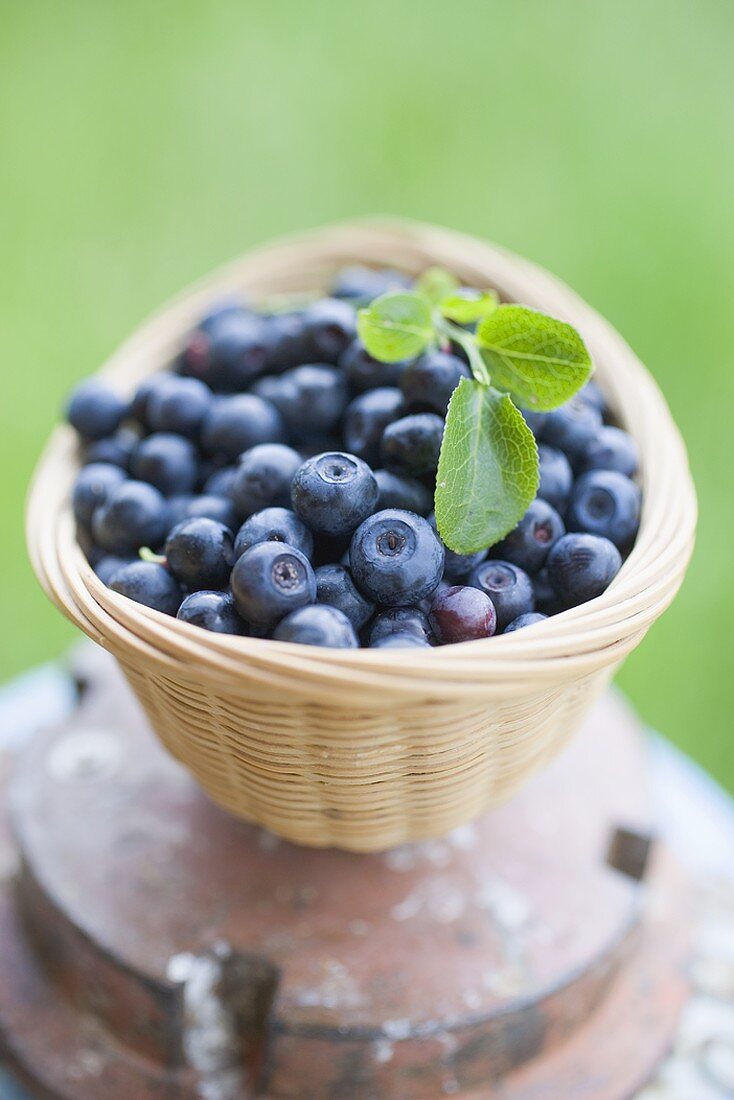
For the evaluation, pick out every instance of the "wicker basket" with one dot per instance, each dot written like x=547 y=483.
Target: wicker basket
x=369 y=748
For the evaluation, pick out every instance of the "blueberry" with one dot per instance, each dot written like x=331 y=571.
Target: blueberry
x=219 y=482
x=177 y=509
x=400 y=620
x=213 y=611
x=106 y=566
x=412 y=444
x=528 y=544
x=92 y=487
x=310 y=398
x=457 y=566
x=407 y=493
x=333 y=492
x=234 y=424
x=133 y=515
x=524 y=620
x=335 y=587
x=143 y=394
x=592 y=395
x=396 y=558
x=508 y=587
x=366 y=419
x=400 y=641
x=362 y=284
x=605 y=503
x=286 y=341
x=263 y=478
x=556 y=476
x=581 y=567
x=237 y=350
x=219 y=311
x=274 y=525
x=115 y=449
x=330 y=325
x=546 y=598
x=462 y=613
x=535 y=421
x=95 y=411
x=167 y=461
x=270 y=580
x=571 y=427
x=317 y=625
x=178 y=405
x=365 y=373
x=148 y=583
x=611 y=449
x=199 y=553
x=428 y=383
x=213 y=506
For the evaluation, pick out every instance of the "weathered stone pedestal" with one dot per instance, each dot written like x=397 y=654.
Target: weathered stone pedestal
x=152 y=947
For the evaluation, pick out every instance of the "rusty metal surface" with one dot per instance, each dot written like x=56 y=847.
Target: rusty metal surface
x=154 y=947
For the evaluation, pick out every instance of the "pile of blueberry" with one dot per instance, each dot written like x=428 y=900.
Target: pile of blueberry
x=278 y=482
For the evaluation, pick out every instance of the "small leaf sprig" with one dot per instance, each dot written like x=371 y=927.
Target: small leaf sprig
x=519 y=359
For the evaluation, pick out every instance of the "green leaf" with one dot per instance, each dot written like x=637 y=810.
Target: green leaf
x=435 y=284
x=540 y=361
x=395 y=326
x=487 y=471
x=466 y=308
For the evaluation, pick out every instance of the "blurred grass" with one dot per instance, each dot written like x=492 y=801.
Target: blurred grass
x=142 y=144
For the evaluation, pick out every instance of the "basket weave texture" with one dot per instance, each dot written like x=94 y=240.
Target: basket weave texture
x=364 y=749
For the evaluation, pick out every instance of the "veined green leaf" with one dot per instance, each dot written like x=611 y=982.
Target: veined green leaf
x=466 y=308
x=487 y=471
x=396 y=326
x=435 y=284
x=540 y=361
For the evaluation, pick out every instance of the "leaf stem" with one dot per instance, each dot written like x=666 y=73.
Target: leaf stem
x=468 y=343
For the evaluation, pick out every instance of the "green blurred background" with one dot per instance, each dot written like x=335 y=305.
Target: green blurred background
x=142 y=144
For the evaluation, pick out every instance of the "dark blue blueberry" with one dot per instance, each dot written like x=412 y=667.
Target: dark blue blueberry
x=109 y=564
x=237 y=350
x=412 y=444
x=524 y=620
x=528 y=544
x=581 y=567
x=331 y=325
x=462 y=613
x=428 y=383
x=317 y=625
x=571 y=427
x=556 y=476
x=270 y=580
x=286 y=340
x=400 y=641
x=116 y=449
x=592 y=395
x=263 y=478
x=133 y=515
x=213 y=611
x=361 y=284
x=546 y=599
x=95 y=410
x=611 y=449
x=219 y=482
x=148 y=583
x=605 y=503
x=212 y=506
x=365 y=373
x=274 y=525
x=334 y=492
x=92 y=487
x=366 y=418
x=508 y=587
x=400 y=620
x=143 y=394
x=335 y=587
x=535 y=421
x=227 y=307
x=310 y=398
x=407 y=493
x=178 y=405
x=177 y=509
x=234 y=424
x=167 y=461
x=396 y=558
x=457 y=566
x=199 y=553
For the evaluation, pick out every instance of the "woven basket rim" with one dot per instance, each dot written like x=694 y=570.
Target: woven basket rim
x=560 y=648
